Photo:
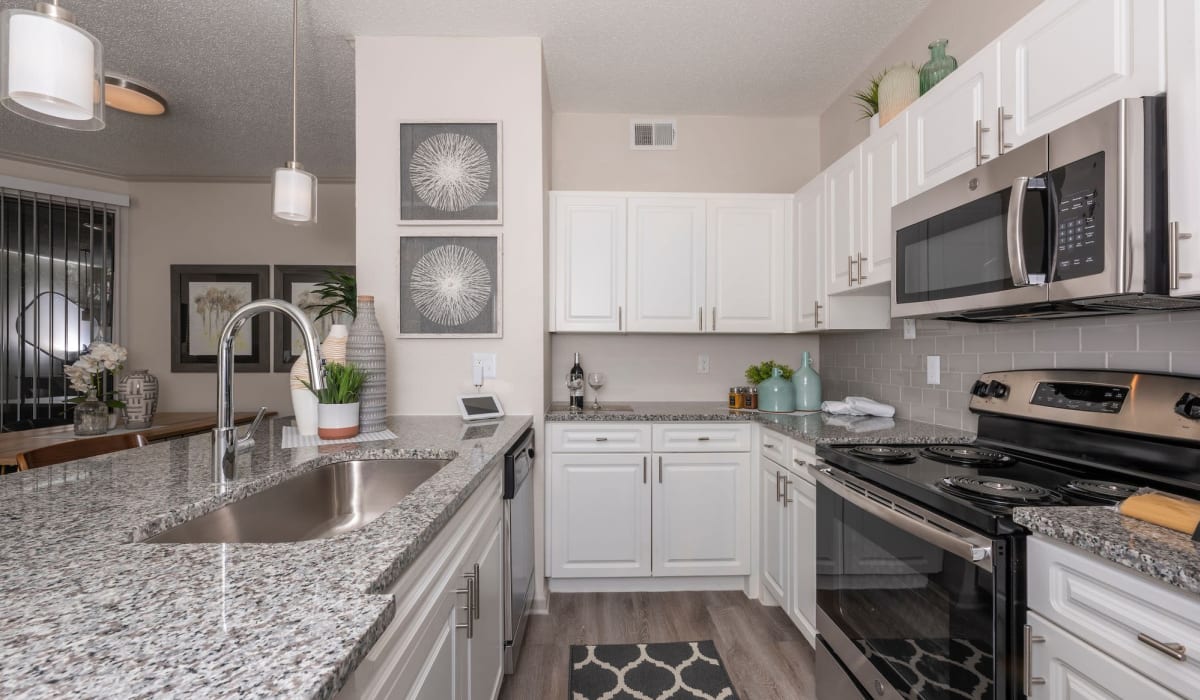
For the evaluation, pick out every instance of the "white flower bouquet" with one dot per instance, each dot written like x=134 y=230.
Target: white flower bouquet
x=87 y=373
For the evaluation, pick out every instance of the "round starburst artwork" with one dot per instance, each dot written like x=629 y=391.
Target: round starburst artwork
x=450 y=172
x=450 y=285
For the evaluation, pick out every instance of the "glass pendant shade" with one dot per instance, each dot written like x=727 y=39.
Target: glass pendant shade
x=294 y=195
x=51 y=71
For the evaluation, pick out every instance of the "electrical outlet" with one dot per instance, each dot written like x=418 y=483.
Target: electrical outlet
x=910 y=329
x=702 y=364
x=487 y=360
x=933 y=369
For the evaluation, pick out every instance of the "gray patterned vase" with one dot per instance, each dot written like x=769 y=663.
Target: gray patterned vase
x=139 y=391
x=365 y=349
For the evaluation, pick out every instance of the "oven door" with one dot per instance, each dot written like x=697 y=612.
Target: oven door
x=958 y=244
x=914 y=605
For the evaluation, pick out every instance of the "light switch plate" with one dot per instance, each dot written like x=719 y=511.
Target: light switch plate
x=933 y=369
x=702 y=364
x=488 y=360
x=910 y=329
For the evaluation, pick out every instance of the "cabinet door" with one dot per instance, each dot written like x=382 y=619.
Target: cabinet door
x=1068 y=58
x=438 y=675
x=485 y=649
x=747 y=265
x=666 y=264
x=885 y=184
x=701 y=514
x=589 y=256
x=1071 y=669
x=600 y=515
x=1183 y=141
x=942 y=124
x=774 y=532
x=802 y=556
x=810 y=261
x=843 y=220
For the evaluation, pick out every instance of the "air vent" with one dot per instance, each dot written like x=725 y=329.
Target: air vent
x=652 y=134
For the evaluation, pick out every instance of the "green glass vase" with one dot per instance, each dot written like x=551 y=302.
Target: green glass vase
x=938 y=67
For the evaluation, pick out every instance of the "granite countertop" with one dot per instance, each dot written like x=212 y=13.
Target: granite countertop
x=1166 y=555
x=814 y=428
x=89 y=611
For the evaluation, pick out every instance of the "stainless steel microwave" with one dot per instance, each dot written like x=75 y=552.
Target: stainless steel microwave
x=1070 y=224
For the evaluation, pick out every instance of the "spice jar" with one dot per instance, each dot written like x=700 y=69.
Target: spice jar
x=737 y=397
x=733 y=394
x=752 y=398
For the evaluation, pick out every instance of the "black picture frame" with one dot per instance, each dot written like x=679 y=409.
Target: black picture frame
x=283 y=277
x=240 y=283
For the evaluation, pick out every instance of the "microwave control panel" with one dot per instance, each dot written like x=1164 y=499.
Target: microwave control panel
x=1094 y=398
x=1079 y=218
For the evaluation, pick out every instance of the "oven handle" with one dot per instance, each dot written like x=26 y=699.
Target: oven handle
x=1015 y=229
x=947 y=541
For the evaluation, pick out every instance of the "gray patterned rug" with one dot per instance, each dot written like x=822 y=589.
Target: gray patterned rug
x=672 y=671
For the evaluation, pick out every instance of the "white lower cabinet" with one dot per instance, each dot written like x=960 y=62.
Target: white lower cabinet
x=801 y=507
x=676 y=511
x=788 y=510
x=774 y=550
x=446 y=640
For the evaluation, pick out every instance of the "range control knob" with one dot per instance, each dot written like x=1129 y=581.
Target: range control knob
x=1188 y=406
x=998 y=389
x=980 y=389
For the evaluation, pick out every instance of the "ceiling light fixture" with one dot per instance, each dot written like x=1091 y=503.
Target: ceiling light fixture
x=51 y=71
x=293 y=190
x=128 y=95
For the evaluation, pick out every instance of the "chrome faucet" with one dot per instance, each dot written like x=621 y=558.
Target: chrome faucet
x=226 y=443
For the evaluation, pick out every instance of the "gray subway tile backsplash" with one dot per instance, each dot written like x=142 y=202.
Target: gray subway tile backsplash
x=883 y=365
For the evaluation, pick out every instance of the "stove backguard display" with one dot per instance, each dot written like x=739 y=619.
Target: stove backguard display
x=1095 y=398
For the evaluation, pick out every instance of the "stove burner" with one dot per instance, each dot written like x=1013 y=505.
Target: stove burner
x=1104 y=491
x=882 y=453
x=969 y=455
x=990 y=489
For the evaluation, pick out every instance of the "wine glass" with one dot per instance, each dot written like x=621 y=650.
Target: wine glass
x=596 y=381
x=575 y=384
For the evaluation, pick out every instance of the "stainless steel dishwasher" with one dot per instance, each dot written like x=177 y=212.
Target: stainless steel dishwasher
x=518 y=545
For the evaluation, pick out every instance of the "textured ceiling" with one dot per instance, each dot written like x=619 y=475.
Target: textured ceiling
x=224 y=68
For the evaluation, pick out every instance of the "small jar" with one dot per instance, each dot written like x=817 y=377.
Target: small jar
x=738 y=398
x=752 y=398
x=733 y=397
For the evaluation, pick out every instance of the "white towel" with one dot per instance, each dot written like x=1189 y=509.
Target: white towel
x=840 y=408
x=871 y=407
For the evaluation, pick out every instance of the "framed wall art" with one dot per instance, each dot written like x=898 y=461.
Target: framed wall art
x=450 y=287
x=203 y=297
x=450 y=173
x=297 y=284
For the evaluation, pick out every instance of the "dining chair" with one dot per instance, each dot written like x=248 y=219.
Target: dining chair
x=78 y=449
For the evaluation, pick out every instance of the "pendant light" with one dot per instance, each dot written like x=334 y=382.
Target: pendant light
x=51 y=71
x=293 y=190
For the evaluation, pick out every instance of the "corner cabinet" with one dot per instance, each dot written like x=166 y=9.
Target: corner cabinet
x=588 y=249
x=788 y=522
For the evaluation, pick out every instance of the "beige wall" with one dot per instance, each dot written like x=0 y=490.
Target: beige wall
x=714 y=154
x=968 y=24
x=663 y=367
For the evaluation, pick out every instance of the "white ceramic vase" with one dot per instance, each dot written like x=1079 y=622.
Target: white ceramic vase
x=337 y=421
x=304 y=407
x=898 y=88
x=304 y=404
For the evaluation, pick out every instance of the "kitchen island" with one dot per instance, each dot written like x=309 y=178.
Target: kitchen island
x=95 y=612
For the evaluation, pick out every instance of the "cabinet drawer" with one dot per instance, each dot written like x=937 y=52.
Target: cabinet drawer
x=701 y=437
x=803 y=456
x=774 y=447
x=600 y=437
x=1109 y=606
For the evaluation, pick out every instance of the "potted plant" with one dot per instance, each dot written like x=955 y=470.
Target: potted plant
x=88 y=376
x=775 y=392
x=868 y=101
x=338 y=295
x=337 y=403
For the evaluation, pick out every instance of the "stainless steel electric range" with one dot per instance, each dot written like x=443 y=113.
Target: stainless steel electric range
x=920 y=567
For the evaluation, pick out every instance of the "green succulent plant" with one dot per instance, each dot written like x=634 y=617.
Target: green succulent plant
x=342 y=384
x=339 y=294
x=868 y=98
x=756 y=374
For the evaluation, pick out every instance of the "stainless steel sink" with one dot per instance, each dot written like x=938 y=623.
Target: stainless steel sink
x=325 y=502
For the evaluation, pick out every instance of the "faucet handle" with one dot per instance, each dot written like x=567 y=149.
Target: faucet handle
x=246 y=441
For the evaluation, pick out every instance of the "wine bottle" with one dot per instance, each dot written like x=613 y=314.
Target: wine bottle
x=577 y=383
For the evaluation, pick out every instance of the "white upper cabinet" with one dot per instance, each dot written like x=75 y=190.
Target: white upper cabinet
x=747 y=264
x=810 y=252
x=1068 y=58
x=666 y=264
x=884 y=185
x=589 y=257
x=843 y=220
x=1183 y=142
x=951 y=129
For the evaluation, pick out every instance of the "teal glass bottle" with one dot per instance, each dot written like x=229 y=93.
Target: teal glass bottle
x=776 y=395
x=807 y=385
x=938 y=67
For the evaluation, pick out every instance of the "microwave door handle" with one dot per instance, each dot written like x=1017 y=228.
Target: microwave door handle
x=1015 y=229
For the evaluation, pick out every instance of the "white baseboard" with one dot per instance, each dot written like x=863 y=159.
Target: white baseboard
x=648 y=584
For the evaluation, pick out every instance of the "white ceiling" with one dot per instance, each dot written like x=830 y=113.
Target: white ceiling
x=224 y=68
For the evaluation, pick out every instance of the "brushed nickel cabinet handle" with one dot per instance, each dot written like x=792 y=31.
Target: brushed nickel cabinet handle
x=478 y=584
x=786 y=484
x=645 y=478
x=700 y=315
x=861 y=275
x=704 y=438
x=1001 y=117
x=1173 y=255
x=799 y=463
x=816 y=313
x=980 y=130
x=469 y=608
x=601 y=439
x=660 y=469
x=620 y=318
x=1030 y=679
x=1172 y=649
x=714 y=322
x=850 y=268
x=778 y=481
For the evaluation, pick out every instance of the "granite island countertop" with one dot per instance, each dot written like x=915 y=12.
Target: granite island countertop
x=1166 y=555
x=814 y=428
x=89 y=611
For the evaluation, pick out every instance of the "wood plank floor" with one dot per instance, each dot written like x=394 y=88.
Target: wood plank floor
x=766 y=656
